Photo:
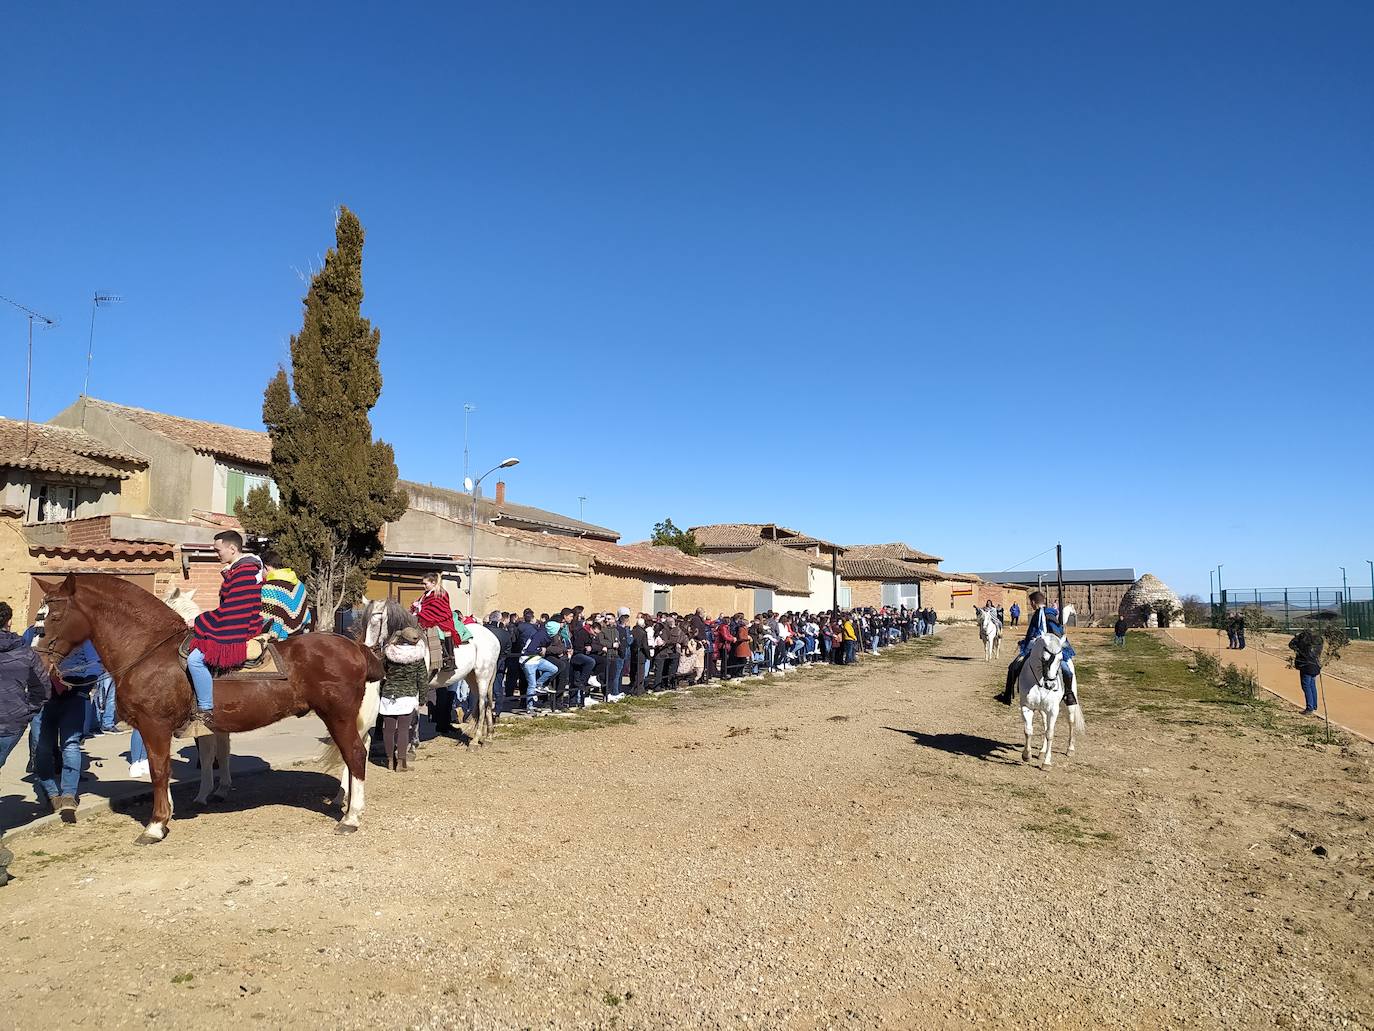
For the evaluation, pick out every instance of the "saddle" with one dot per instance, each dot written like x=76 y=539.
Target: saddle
x=263 y=663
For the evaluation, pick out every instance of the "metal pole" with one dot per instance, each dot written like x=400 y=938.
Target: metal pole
x=1059 y=565
x=28 y=387
x=1345 y=599
x=835 y=580
x=468 y=409
x=472 y=545
x=1287 y=619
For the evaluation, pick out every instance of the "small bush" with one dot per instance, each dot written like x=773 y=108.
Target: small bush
x=1208 y=665
x=1238 y=682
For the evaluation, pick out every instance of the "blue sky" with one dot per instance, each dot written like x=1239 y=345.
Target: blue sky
x=979 y=277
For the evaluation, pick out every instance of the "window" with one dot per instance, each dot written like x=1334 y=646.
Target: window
x=663 y=600
x=240 y=483
x=52 y=503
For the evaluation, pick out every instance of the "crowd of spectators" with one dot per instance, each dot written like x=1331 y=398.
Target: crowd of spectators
x=568 y=657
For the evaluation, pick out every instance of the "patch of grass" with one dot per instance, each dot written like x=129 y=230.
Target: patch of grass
x=183 y=978
x=1068 y=832
x=611 y=999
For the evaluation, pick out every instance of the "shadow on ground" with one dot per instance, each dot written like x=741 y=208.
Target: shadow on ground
x=955 y=658
x=971 y=745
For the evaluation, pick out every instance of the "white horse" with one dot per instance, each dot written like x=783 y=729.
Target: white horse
x=990 y=633
x=474 y=662
x=213 y=748
x=1042 y=688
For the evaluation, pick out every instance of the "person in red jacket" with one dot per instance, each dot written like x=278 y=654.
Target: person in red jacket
x=725 y=642
x=434 y=611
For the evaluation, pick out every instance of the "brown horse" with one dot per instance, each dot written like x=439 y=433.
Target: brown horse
x=137 y=637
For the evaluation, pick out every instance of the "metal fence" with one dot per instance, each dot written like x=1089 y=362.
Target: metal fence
x=1296 y=607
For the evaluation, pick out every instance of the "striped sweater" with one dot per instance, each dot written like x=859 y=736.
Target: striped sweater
x=283 y=604
x=223 y=633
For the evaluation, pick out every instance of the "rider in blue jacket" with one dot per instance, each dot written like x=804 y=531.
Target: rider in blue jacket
x=1044 y=618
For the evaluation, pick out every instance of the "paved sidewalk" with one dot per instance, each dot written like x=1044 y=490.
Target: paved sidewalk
x=105 y=777
x=1350 y=706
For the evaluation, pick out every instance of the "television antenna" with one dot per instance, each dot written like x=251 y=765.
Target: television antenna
x=28 y=373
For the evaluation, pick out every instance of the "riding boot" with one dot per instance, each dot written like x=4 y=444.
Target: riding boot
x=446 y=647
x=1013 y=671
x=1069 y=697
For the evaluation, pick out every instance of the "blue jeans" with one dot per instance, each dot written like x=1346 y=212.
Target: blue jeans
x=851 y=649
x=105 y=692
x=1309 y=690
x=537 y=674
x=616 y=669
x=137 y=753
x=201 y=680
x=63 y=720
x=7 y=743
x=1121 y=639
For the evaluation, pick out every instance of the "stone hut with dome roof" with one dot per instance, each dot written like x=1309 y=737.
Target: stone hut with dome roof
x=1139 y=604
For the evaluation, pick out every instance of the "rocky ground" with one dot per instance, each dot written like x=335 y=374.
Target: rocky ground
x=841 y=848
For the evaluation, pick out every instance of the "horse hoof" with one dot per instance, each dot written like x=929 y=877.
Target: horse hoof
x=344 y=828
x=146 y=839
x=216 y=799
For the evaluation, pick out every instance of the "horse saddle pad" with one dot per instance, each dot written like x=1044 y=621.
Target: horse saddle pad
x=264 y=663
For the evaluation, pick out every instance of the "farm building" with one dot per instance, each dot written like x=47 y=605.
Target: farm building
x=1094 y=593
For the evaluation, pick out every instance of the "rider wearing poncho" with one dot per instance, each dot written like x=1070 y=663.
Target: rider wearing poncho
x=284 y=611
x=434 y=611
x=1045 y=619
x=222 y=634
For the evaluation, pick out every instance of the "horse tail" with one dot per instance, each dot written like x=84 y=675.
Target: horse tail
x=1076 y=715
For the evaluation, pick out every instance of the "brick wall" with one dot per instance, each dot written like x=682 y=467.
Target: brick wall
x=95 y=530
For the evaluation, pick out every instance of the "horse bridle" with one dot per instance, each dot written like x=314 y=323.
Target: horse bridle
x=49 y=651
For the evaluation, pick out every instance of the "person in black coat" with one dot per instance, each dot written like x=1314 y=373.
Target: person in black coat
x=496 y=623
x=639 y=655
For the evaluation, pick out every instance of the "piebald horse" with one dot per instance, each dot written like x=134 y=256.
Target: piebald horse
x=137 y=635
x=1042 y=689
x=990 y=633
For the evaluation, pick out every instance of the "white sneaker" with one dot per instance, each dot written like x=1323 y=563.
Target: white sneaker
x=587 y=703
x=138 y=770
x=593 y=682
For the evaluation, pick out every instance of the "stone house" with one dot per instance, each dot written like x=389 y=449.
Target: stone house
x=811 y=579
x=193 y=466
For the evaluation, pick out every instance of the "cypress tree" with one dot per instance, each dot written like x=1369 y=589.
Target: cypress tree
x=336 y=485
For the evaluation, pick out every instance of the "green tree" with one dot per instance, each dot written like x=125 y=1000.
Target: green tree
x=336 y=485
x=666 y=533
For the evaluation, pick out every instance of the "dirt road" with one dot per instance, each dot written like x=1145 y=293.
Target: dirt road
x=843 y=848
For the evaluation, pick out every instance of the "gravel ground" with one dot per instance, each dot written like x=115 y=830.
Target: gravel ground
x=839 y=848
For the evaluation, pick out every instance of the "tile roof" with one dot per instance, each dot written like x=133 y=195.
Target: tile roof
x=110 y=549
x=898 y=550
x=888 y=569
x=503 y=515
x=637 y=558
x=251 y=446
x=750 y=535
x=57 y=449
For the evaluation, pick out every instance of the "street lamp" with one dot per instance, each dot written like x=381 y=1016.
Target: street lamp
x=472 y=486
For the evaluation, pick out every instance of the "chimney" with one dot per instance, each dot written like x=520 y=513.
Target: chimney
x=500 y=493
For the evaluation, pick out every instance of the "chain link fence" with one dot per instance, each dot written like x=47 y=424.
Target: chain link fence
x=1293 y=608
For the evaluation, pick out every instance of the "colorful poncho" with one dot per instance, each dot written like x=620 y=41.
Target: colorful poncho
x=435 y=610
x=283 y=604
x=223 y=633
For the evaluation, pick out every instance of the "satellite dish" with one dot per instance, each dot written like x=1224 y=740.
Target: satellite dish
x=468 y=484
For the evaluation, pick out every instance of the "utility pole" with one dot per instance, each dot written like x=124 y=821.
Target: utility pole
x=28 y=374
x=834 y=580
x=1345 y=600
x=582 y=508
x=1059 y=565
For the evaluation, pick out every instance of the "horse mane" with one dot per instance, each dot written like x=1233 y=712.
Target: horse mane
x=133 y=601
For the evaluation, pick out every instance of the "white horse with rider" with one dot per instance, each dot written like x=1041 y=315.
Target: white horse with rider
x=989 y=631
x=1040 y=685
x=474 y=662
